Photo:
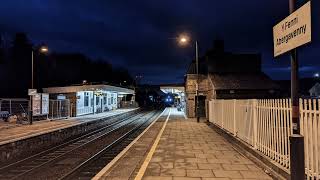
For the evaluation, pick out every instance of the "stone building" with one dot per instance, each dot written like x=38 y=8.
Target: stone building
x=225 y=75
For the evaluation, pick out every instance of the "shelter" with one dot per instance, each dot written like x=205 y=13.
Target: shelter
x=90 y=99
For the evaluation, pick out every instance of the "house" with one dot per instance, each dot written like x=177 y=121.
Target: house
x=315 y=90
x=225 y=75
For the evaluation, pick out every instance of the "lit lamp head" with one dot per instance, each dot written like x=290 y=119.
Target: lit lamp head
x=183 y=39
x=44 y=49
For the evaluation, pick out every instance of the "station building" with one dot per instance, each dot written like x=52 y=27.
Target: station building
x=91 y=99
x=226 y=75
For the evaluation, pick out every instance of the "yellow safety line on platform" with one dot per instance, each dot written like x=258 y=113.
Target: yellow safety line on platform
x=103 y=172
x=145 y=164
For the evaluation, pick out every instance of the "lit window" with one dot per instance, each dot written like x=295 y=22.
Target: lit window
x=86 y=101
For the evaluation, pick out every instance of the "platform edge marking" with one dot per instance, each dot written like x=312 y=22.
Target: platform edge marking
x=145 y=164
x=120 y=155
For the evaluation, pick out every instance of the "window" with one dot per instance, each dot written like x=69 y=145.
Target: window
x=104 y=100
x=86 y=100
x=97 y=100
x=112 y=99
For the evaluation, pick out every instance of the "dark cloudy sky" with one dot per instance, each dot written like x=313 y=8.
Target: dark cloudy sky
x=138 y=34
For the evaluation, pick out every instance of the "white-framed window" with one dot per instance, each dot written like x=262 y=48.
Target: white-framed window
x=86 y=99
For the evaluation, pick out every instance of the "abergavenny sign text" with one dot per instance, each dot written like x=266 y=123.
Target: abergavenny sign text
x=293 y=31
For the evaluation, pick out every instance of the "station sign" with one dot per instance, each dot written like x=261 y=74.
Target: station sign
x=44 y=104
x=32 y=92
x=40 y=104
x=36 y=104
x=293 y=31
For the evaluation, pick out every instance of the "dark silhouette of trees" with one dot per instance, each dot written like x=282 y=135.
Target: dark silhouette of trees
x=54 y=69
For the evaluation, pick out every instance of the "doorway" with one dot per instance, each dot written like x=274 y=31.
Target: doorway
x=201 y=111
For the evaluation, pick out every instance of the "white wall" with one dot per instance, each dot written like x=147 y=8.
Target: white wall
x=83 y=108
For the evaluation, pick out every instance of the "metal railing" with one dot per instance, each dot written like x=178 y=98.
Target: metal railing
x=266 y=126
x=18 y=107
x=310 y=129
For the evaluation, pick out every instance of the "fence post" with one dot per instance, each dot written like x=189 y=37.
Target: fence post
x=52 y=109
x=10 y=105
x=255 y=123
x=222 y=118
x=70 y=112
x=69 y=106
x=213 y=111
x=234 y=118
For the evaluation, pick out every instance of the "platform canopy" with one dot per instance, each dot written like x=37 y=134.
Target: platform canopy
x=172 y=88
x=102 y=87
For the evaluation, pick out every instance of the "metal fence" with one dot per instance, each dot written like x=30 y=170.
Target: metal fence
x=59 y=109
x=266 y=126
x=14 y=106
x=310 y=129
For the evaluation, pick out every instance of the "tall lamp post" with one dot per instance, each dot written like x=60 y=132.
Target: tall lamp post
x=43 y=49
x=184 y=40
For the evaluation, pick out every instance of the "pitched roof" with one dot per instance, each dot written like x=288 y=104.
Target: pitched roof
x=316 y=87
x=233 y=81
x=192 y=69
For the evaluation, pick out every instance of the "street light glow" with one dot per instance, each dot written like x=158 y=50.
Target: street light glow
x=316 y=75
x=183 y=39
x=44 y=49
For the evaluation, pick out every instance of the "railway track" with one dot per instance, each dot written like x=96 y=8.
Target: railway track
x=63 y=160
x=92 y=166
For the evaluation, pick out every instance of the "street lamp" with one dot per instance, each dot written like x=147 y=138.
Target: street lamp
x=42 y=49
x=184 y=40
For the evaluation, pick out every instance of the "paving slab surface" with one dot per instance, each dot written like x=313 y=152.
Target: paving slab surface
x=19 y=132
x=187 y=150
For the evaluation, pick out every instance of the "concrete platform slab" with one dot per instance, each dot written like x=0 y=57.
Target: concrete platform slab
x=184 y=149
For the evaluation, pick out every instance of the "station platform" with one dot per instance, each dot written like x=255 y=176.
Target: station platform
x=11 y=132
x=176 y=148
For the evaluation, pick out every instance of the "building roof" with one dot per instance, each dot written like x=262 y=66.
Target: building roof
x=245 y=81
x=315 y=88
x=192 y=69
x=172 y=88
x=72 y=89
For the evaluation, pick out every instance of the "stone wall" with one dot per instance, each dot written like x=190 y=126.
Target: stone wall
x=11 y=152
x=190 y=86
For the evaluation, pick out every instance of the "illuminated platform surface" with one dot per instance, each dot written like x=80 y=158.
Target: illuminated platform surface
x=14 y=133
x=184 y=149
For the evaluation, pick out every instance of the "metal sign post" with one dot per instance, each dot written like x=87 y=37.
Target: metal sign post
x=297 y=161
x=290 y=33
x=31 y=93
